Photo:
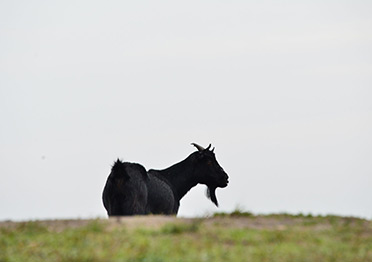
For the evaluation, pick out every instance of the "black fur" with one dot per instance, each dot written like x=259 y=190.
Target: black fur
x=130 y=190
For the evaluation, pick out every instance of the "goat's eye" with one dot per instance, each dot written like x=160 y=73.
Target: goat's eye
x=209 y=163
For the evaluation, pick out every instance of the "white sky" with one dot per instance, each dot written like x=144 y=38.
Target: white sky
x=283 y=89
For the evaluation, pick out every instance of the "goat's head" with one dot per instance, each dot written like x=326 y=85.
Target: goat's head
x=209 y=172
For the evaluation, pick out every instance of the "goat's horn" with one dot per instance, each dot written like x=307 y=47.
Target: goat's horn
x=209 y=147
x=200 y=148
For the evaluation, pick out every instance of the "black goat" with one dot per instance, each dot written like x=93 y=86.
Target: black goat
x=130 y=190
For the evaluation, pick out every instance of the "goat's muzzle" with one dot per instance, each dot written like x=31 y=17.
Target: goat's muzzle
x=224 y=181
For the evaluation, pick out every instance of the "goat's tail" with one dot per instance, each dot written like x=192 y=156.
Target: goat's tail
x=119 y=171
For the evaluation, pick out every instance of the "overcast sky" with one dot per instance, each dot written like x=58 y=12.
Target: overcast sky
x=282 y=89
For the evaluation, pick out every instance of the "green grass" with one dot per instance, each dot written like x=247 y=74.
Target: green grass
x=228 y=237
x=238 y=212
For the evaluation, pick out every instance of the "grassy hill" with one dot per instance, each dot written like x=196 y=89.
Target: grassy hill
x=238 y=236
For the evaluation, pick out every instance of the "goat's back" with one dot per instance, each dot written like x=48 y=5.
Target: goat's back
x=161 y=196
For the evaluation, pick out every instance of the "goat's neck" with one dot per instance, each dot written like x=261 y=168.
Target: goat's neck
x=181 y=176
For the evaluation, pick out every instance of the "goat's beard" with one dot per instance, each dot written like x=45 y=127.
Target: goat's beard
x=211 y=194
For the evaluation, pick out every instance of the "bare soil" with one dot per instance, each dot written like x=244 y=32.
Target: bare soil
x=156 y=222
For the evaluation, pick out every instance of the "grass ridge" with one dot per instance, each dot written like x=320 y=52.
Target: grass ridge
x=235 y=236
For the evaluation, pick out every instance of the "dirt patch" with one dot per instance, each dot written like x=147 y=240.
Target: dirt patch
x=157 y=222
x=153 y=222
x=53 y=225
